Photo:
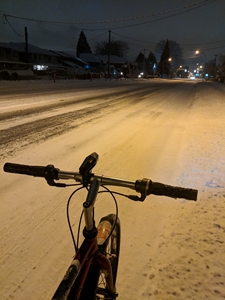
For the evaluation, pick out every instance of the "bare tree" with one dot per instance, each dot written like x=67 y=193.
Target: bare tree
x=117 y=47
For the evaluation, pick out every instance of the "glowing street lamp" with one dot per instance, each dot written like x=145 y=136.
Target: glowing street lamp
x=169 y=59
x=200 y=52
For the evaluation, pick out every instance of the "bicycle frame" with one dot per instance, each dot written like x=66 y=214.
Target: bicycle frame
x=74 y=279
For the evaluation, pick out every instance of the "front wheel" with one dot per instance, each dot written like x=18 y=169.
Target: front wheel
x=111 y=250
x=95 y=287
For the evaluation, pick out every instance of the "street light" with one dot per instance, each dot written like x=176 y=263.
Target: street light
x=200 y=52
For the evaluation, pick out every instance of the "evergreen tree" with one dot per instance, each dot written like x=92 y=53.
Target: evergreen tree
x=150 y=63
x=141 y=62
x=164 y=64
x=175 y=53
x=82 y=45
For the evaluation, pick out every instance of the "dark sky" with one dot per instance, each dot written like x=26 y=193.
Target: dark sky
x=194 y=24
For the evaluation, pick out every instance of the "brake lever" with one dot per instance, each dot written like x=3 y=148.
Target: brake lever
x=141 y=186
x=136 y=198
x=51 y=173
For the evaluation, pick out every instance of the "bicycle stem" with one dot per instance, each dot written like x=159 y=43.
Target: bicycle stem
x=88 y=205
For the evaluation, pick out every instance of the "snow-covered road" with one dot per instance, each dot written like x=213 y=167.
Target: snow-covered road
x=169 y=131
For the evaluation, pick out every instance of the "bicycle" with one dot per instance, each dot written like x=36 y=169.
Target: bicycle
x=93 y=271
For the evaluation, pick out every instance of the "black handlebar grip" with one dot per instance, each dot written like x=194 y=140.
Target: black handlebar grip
x=161 y=189
x=37 y=171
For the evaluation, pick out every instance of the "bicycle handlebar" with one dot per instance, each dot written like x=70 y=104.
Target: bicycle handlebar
x=36 y=171
x=144 y=186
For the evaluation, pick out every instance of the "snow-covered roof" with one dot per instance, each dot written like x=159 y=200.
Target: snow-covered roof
x=66 y=55
x=20 y=47
x=92 y=58
x=89 y=57
x=114 y=59
x=75 y=57
x=4 y=45
x=14 y=62
x=71 y=64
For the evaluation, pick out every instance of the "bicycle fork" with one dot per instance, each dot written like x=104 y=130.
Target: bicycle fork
x=76 y=274
x=73 y=281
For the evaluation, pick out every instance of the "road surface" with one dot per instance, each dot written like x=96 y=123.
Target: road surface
x=38 y=114
x=157 y=129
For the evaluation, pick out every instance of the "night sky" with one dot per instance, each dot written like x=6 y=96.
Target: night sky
x=56 y=24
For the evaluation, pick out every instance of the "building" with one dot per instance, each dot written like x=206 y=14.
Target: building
x=27 y=61
x=17 y=63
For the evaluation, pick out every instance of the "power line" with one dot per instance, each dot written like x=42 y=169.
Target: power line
x=133 y=38
x=214 y=48
x=162 y=18
x=186 y=8
x=204 y=43
x=154 y=43
x=7 y=22
x=98 y=36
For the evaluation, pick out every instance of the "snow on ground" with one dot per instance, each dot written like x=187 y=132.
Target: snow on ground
x=191 y=260
x=170 y=249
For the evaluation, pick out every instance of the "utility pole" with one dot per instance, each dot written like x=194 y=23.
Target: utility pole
x=109 y=50
x=215 y=65
x=144 y=65
x=26 y=45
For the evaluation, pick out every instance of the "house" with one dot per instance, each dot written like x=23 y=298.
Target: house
x=17 y=63
x=92 y=60
x=69 y=60
x=100 y=62
x=10 y=63
x=115 y=60
x=27 y=61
